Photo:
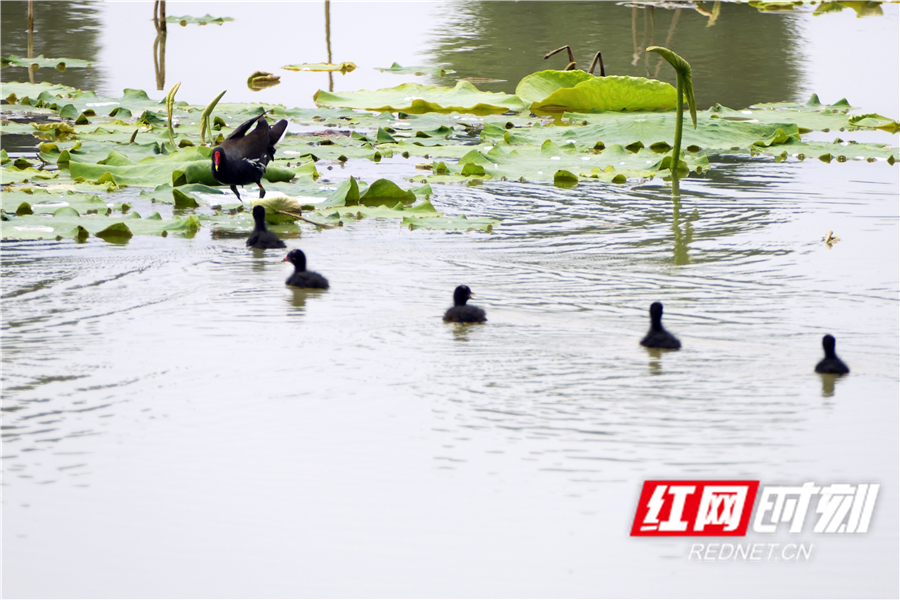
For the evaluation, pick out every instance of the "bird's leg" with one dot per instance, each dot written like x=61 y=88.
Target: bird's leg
x=234 y=189
x=262 y=191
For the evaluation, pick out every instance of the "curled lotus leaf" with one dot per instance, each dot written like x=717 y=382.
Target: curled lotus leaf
x=261 y=80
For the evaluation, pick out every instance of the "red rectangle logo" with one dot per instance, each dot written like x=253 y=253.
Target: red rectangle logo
x=695 y=508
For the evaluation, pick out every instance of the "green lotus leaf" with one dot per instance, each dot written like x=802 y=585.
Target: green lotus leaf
x=537 y=86
x=875 y=121
x=397 y=211
x=41 y=200
x=148 y=172
x=204 y=20
x=13 y=174
x=385 y=191
x=68 y=225
x=614 y=93
x=415 y=98
x=344 y=67
x=399 y=70
x=460 y=223
x=4 y=157
x=60 y=64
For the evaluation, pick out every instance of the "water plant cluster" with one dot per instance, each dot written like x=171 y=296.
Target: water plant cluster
x=565 y=127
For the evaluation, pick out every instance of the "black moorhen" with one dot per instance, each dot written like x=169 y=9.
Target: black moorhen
x=831 y=364
x=241 y=159
x=461 y=312
x=301 y=277
x=261 y=237
x=658 y=337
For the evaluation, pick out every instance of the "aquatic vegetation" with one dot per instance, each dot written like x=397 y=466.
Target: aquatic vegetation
x=60 y=64
x=344 y=67
x=204 y=20
x=92 y=148
x=401 y=70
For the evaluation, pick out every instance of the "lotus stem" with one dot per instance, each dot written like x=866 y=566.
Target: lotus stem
x=685 y=88
x=205 y=120
x=296 y=216
x=170 y=108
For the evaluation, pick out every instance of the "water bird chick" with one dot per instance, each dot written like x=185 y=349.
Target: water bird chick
x=301 y=277
x=261 y=237
x=460 y=312
x=831 y=364
x=658 y=337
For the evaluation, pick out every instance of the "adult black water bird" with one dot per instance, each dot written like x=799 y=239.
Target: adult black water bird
x=461 y=312
x=658 y=337
x=242 y=157
x=261 y=237
x=301 y=277
x=831 y=364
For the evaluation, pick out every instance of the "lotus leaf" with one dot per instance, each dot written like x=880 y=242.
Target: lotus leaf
x=537 y=86
x=399 y=70
x=41 y=200
x=414 y=98
x=204 y=20
x=613 y=93
x=344 y=67
x=60 y=64
x=67 y=225
x=458 y=223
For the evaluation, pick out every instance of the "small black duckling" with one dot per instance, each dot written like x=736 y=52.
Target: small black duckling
x=461 y=312
x=658 y=337
x=261 y=237
x=831 y=364
x=301 y=277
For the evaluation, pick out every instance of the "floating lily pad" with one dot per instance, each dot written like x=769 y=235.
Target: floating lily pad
x=204 y=20
x=261 y=80
x=60 y=64
x=400 y=70
x=415 y=98
x=344 y=67
x=457 y=223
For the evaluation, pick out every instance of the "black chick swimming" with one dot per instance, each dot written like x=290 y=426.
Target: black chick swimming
x=831 y=364
x=261 y=237
x=462 y=312
x=301 y=277
x=658 y=337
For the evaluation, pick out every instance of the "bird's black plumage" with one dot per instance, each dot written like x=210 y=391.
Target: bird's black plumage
x=242 y=158
x=461 y=312
x=658 y=337
x=261 y=237
x=831 y=364
x=301 y=277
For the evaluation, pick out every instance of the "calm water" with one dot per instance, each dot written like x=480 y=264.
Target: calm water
x=179 y=423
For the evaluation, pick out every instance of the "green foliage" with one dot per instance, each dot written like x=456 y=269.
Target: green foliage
x=60 y=64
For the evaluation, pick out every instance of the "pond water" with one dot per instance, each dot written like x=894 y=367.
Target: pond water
x=178 y=423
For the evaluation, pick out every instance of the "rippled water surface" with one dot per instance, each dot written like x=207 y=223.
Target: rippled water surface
x=177 y=422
